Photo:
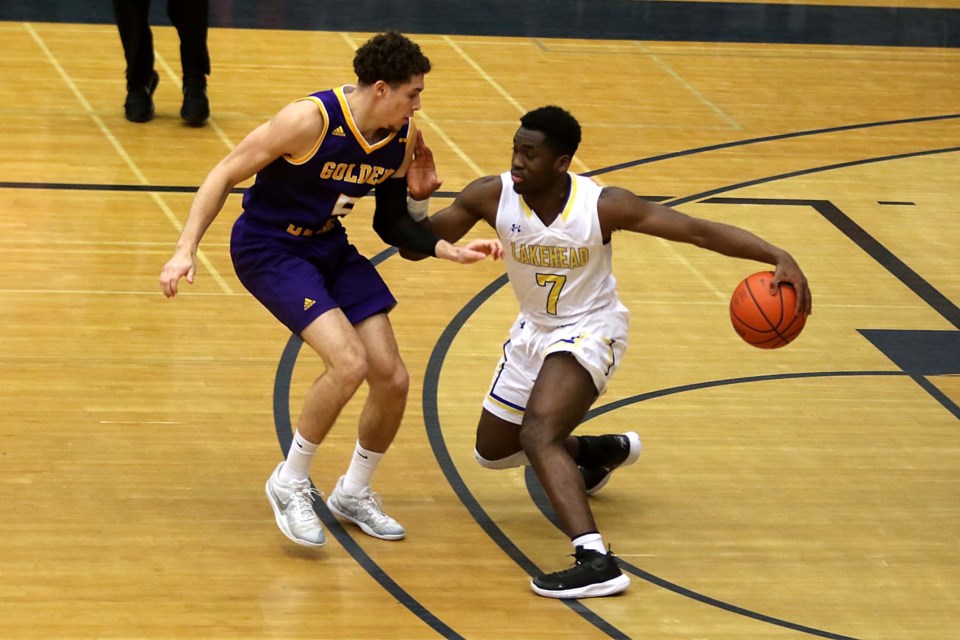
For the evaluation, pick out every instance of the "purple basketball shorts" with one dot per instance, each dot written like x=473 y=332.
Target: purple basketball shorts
x=298 y=279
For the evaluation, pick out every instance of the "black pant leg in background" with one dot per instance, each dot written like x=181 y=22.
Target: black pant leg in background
x=191 y=18
x=133 y=22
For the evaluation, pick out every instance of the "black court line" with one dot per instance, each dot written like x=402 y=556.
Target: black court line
x=897 y=267
x=539 y=496
x=883 y=256
x=597 y=172
x=284 y=429
x=771 y=138
x=147 y=188
x=803 y=172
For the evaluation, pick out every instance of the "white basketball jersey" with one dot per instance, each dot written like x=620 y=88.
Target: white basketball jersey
x=563 y=272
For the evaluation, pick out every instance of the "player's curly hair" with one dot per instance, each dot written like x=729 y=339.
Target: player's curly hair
x=391 y=57
x=561 y=131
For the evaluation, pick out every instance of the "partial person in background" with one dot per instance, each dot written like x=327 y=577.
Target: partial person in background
x=571 y=333
x=313 y=161
x=191 y=18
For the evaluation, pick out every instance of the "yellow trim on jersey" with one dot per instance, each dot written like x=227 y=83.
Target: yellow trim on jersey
x=348 y=116
x=323 y=132
x=411 y=137
x=567 y=207
x=524 y=207
x=573 y=194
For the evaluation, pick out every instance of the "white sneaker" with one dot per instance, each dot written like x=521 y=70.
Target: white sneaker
x=365 y=511
x=293 y=506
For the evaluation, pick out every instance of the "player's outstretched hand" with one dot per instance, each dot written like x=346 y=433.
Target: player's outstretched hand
x=492 y=248
x=177 y=267
x=422 y=178
x=475 y=251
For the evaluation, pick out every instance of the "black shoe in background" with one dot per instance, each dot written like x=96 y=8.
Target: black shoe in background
x=606 y=454
x=594 y=574
x=196 y=106
x=138 y=106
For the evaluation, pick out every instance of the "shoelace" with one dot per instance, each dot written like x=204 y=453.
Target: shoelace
x=303 y=502
x=371 y=503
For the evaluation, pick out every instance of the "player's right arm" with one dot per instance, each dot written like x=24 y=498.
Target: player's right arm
x=293 y=131
x=478 y=201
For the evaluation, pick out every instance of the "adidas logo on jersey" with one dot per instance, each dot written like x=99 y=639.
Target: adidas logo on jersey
x=338 y=131
x=307 y=303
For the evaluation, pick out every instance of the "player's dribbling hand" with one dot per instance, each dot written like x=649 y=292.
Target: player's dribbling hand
x=789 y=271
x=422 y=178
x=177 y=267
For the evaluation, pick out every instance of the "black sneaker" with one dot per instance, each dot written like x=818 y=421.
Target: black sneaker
x=594 y=574
x=617 y=451
x=196 y=106
x=138 y=107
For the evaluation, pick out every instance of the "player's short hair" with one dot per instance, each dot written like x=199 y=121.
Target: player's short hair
x=560 y=129
x=391 y=57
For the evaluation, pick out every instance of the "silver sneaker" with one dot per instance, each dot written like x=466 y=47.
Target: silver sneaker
x=293 y=506
x=365 y=511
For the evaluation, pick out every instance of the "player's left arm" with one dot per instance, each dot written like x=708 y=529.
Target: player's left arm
x=620 y=209
x=478 y=201
x=395 y=227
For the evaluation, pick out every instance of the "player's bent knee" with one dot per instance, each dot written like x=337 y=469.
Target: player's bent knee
x=517 y=459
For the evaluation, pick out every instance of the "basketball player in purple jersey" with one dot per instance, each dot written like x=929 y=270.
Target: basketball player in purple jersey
x=313 y=161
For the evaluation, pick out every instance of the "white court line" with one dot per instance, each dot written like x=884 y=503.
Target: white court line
x=689 y=87
x=177 y=82
x=120 y=150
x=506 y=95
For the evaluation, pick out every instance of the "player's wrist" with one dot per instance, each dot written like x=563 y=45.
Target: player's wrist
x=445 y=250
x=418 y=209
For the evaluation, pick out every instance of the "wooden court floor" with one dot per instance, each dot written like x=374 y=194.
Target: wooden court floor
x=811 y=491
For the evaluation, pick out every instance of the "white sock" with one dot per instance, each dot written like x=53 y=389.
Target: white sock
x=299 y=459
x=592 y=541
x=361 y=469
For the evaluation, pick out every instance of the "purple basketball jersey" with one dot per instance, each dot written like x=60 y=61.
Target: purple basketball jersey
x=289 y=248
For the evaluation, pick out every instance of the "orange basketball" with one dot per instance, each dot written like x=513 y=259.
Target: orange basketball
x=763 y=320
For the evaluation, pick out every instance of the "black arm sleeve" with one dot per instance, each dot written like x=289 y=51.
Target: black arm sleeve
x=394 y=225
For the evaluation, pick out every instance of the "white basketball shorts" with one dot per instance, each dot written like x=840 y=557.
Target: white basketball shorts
x=598 y=343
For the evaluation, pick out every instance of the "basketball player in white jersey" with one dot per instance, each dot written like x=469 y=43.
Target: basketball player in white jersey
x=571 y=333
